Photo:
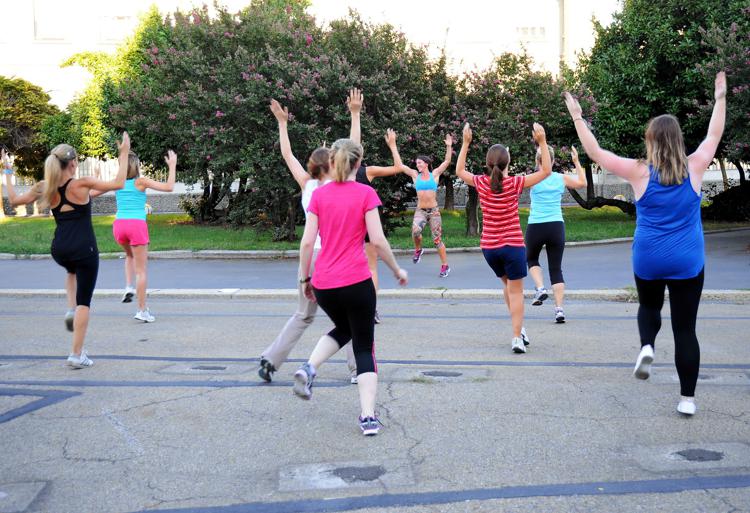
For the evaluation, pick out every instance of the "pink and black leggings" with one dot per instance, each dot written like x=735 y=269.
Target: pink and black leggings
x=352 y=310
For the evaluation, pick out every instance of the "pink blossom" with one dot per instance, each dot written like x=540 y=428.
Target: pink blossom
x=308 y=39
x=208 y=157
x=220 y=114
x=154 y=50
x=212 y=131
x=245 y=76
x=228 y=34
x=172 y=116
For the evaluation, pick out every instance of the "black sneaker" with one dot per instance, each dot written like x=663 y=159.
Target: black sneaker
x=266 y=370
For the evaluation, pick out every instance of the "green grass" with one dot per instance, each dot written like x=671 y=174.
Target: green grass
x=175 y=231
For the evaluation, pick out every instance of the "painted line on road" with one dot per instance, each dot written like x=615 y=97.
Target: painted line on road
x=48 y=398
x=406 y=500
x=164 y=384
x=456 y=363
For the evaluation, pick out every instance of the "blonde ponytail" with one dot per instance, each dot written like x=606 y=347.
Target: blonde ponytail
x=54 y=165
x=345 y=154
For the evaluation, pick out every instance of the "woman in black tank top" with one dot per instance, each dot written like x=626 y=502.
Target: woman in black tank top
x=74 y=243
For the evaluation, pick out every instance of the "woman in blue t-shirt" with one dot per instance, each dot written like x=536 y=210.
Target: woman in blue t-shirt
x=668 y=240
x=547 y=229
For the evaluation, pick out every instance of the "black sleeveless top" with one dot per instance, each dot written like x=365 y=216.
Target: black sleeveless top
x=74 y=235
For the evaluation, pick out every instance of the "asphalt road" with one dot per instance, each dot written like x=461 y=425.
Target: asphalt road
x=584 y=267
x=172 y=416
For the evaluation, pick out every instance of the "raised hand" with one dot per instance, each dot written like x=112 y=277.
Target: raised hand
x=124 y=145
x=538 y=134
x=390 y=137
x=574 y=154
x=573 y=106
x=355 y=100
x=720 y=86
x=280 y=113
x=467 y=134
x=171 y=160
x=449 y=140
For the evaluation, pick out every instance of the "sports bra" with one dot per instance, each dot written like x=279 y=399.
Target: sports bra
x=425 y=185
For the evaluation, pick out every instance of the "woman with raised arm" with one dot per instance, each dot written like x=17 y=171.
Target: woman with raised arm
x=668 y=246
x=427 y=211
x=308 y=180
x=502 y=239
x=342 y=212
x=546 y=229
x=131 y=231
x=365 y=176
x=74 y=243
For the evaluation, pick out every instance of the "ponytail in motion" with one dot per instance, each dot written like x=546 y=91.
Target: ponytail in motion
x=57 y=161
x=345 y=154
x=498 y=159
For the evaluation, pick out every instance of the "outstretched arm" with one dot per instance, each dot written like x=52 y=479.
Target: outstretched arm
x=168 y=186
x=29 y=196
x=700 y=159
x=397 y=167
x=354 y=101
x=626 y=168
x=461 y=171
x=540 y=138
x=448 y=156
x=118 y=182
x=579 y=181
x=298 y=172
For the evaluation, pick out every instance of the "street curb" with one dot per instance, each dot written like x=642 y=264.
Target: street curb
x=617 y=295
x=270 y=254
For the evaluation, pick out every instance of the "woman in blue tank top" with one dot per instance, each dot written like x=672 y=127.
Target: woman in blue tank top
x=668 y=240
x=546 y=228
x=131 y=231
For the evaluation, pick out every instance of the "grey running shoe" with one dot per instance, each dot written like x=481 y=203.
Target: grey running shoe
x=80 y=361
x=539 y=297
x=144 y=315
x=524 y=337
x=303 y=381
x=266 y=370
x=517 y=345
x=70 y=315
x=369 y=425
x=559 y=315
x=643 y=363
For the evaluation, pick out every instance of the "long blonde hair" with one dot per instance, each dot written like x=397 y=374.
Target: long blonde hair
x=134 y=166
x=57 y=161
x=665 y=149
x=345 y=153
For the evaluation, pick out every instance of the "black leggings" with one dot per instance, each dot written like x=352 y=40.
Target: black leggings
x=352 y=310
x=86 y=271
x=684 y=297
x=552 y=235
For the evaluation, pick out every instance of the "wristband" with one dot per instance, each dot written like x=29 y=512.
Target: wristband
x=306 y=280
x=8 y=171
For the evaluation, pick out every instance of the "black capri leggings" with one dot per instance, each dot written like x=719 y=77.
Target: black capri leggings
x=684 y=297
x=352 y=310
x=552 y=235
x=86 y=271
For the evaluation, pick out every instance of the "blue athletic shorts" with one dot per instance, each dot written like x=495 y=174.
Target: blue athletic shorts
x=507 y=261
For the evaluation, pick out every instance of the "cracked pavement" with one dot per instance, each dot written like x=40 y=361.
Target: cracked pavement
x=149 y=434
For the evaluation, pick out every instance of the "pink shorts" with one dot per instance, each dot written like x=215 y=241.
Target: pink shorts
x=130 y=231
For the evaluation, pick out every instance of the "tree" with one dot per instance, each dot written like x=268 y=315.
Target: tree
x=23 y=109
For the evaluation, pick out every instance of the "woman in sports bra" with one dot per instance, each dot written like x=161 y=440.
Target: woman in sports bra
x=427 y=211
x=74 y=243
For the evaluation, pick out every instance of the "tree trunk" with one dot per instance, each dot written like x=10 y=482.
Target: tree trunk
x=743 y=179
x=724 y=178
x=450 y=195
x=472 y=221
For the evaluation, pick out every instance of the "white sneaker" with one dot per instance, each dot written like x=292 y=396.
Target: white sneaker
x=79 y=362
x=517 y=345
x=70 y=315
x=144 y=315
x=129 y=294
x=686 y=405
x=524 y=337
x=559 y=315
x=353 y=379
x=643 y=363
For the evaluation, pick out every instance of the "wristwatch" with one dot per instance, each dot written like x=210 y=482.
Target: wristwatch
x=305 y=280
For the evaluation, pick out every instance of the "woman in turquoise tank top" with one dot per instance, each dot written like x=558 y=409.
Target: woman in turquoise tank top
x=131 y=231
x=427 y=211
x=668 y=239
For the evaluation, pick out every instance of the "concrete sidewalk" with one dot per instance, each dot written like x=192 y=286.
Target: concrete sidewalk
x=172 y=416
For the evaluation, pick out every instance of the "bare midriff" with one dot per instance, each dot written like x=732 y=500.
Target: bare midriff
x=427 y=199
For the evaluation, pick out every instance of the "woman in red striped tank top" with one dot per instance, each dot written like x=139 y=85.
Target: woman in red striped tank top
x=502 y=239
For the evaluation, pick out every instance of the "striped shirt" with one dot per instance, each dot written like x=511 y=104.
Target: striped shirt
x=500 y=224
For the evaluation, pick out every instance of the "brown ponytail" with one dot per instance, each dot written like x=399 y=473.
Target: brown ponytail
x=498 y=159
x=319 y=162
